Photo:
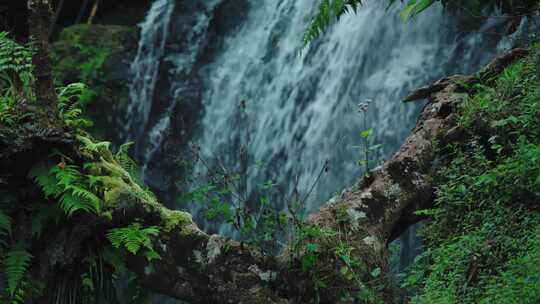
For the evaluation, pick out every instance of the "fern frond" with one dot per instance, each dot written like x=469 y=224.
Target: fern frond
x=91 y=146
x=76 y=198
x=70 y=99
x=16 y=263
x=133 y=237
x=327 y=10
x=66 y=175
x=46 y=180
x=67 y=184
x=14 y=57
x=128 y=163
x=16 y=67
x=5 y=223
x=70 y=95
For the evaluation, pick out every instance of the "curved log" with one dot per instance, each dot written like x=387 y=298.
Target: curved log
x=202 y=268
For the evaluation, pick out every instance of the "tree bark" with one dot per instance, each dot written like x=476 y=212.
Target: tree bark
x=212 y=269
x=40 y=19
x=202 y=268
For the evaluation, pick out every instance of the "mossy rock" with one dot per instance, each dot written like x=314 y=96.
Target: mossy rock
x=99 y=56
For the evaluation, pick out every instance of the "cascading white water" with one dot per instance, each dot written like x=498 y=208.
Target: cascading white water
x=146 y=124
x=265 y=103
x=301 y=111
x=145 y=68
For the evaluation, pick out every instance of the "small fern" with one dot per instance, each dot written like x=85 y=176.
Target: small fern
x=93 y=147
x=329 y=9
x=15 y=265
x=46 y=180
x=13 y=56
x=70 y=100
x=75 y=195
x=5 y=223
x=133 y=238
x=67 y=184
x=131 y=167
x=127 y=163
x=16 y=69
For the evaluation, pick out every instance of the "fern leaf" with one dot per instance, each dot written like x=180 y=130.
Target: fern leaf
x=75 y=199
x=16 y=263
x=133 y=237
x=127 y=163
x=330 y=8
x=66 y=175
x=5 y=223
x=46 y=180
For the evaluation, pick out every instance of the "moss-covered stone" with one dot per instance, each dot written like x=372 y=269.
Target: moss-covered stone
x=99 y=56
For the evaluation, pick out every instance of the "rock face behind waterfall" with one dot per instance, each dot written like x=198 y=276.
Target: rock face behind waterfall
x=195 y=34
x=101 y=56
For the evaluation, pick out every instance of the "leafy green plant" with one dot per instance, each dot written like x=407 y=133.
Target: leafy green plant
x=365 y=136
x=16 y=78
x=15 y=70
x=133 y=238
x=127 y=162
x=483 y=232
x=15 y=265
x=70 y=98
x=68 y=185
x=330 y=10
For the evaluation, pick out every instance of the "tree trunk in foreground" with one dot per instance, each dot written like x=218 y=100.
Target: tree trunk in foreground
x=205 y=268
x=39 y=19
x=202 y=268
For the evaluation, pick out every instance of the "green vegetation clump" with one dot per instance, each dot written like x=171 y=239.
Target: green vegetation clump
x=82 y=50
x=482 y=238
x=83 y=182
x=96 y=55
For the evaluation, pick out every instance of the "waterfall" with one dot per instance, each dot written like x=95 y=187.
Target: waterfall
x=266 y=101
x=295 y=113
x=154 y=31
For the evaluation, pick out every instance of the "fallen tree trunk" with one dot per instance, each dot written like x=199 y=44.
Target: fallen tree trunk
x=346 y=241
x=349 y=259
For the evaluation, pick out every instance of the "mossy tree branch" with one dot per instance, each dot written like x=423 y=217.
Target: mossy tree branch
x=204 y=268
x=369 y=215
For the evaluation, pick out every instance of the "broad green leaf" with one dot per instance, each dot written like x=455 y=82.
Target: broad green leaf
x=408 y=11
x=366 y=133
x=420 y=7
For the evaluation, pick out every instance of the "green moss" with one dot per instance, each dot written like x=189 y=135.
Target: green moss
x=173 y=219
x=114 y=184
x=483 y=237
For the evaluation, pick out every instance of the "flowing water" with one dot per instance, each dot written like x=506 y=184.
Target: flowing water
x=265 y=103
x=145 y=68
